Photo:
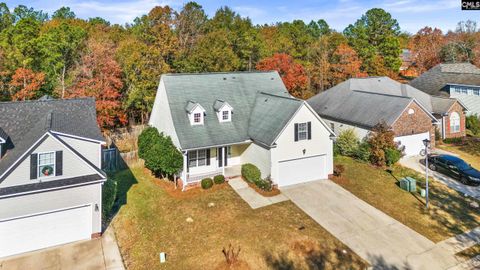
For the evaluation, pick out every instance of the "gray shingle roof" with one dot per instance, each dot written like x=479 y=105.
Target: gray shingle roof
x=364 y=109
x=27 y=121
x=50 y=184
x=239 y=89
x=434 y=80
x=270 y=115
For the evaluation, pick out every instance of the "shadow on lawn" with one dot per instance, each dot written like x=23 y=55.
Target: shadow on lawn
x=315 y=259
x=125 y=180
x=456 y=213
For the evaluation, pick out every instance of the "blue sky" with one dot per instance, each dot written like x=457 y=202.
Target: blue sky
x=411 y=14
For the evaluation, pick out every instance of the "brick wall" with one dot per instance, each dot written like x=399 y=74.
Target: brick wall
x=418 y=122
x=458 y=109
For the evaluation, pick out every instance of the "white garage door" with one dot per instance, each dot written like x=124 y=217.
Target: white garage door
x=45 y=230
x=413 y=143
x=301 y=170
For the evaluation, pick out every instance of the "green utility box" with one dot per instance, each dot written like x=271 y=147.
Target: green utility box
x=412 y=184
x=408 y=184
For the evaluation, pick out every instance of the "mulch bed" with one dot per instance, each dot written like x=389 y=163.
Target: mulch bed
x=275 y=191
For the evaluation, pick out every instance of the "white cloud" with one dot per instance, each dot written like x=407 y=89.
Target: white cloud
x=251 y=12
x=418 y=7
x=116 y=12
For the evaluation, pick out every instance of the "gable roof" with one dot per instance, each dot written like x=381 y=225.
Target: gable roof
x=434 y=80
x=269 y=116
x=218 y=105
x=239 y=89
x=26 y=122
x=366 y=102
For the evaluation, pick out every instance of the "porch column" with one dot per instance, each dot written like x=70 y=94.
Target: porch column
x=223 y=161
x=184 y=172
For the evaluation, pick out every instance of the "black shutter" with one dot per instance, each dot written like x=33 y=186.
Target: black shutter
x=58 y=163
x=226 y=156
x=309 y=127
x=33 y=166
x=296 y=132
x=220 y=156
x=208 y=157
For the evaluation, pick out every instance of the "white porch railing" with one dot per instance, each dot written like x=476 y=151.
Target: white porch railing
x=193 y=178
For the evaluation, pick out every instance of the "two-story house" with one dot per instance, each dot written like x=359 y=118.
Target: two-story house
x=50 y=176
x=223 y=120
x=455 y=80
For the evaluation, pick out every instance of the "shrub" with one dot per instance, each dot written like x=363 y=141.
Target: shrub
x=109 y=192
x=250 y=172
x=381 y=139
x=473 y=123
x=207 y=183
x=347 y=142
x=264 y=184
x=392 y=156
x=338 y=170
x=219 y=179
x=145 y=140
x=363 y=152
x=453 y=140
x=336 y=151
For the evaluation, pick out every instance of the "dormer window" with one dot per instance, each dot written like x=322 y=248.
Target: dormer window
x=224 y=110
x=195 y=113
x=225 y=115
x=197 y=118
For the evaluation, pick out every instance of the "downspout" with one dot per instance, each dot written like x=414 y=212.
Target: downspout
x=443 y=128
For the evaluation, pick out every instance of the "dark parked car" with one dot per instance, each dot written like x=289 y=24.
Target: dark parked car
x=454 y=167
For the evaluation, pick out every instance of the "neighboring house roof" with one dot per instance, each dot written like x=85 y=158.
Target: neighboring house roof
x=434 y=80
x=366 y=102
x=269 y=116
x=239 y=89
x=388 y=86
x=26 y=122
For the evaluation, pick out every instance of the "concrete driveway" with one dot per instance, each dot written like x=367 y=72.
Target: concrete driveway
x=101 y=253
x=415 y=164
x=373 y=235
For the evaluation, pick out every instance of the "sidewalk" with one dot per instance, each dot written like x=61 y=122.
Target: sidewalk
x=251 y=197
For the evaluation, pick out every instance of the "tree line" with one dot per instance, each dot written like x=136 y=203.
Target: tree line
x=120 y=65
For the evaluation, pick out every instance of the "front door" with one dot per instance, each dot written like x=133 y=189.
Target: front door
x=222 y=157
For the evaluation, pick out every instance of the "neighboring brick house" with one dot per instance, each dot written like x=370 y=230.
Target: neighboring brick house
x=362 y=103
x=454 y=125
x=456 y=80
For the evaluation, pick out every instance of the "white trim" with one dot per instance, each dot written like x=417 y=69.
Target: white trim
x=423 y=109
x=23 y=155
x=47 y=212
x=218 y=145
x=54 y=164
x=68 y=148
x=77 y=137
x=2 y=140
x=51 y=189
x=293 y=116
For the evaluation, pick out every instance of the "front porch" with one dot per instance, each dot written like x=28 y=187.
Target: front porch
x=209 y=162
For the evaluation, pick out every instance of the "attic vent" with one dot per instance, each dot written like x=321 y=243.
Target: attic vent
x=233 y=77
x=271 y=79
x=266 y=99
x=224 y=78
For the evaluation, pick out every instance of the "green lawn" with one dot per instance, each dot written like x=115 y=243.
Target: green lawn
x=281 y=236
x=449 y=214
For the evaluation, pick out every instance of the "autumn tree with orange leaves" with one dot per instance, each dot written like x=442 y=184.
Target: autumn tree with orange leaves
x=346 y=64
x=99 y=76
x=292 y=73
x=425 y=46
x=25 y=83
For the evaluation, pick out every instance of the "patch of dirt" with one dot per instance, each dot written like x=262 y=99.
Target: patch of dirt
x=340 y=180
x=239 y=265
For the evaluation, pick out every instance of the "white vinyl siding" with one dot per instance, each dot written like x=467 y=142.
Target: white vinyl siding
x=73 y=166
